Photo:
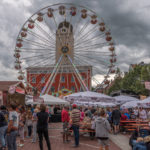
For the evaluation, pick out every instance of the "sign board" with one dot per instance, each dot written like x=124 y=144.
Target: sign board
x=1 y=98
x=20 y=90
x=147 y=85
x=38 y=99
x=12 y=89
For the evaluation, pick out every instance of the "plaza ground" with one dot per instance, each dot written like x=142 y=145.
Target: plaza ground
x=117 y=142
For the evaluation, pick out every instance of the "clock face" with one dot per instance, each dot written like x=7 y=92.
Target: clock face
x=65 y=49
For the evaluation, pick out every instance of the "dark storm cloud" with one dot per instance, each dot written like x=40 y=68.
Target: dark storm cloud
x=128 y=20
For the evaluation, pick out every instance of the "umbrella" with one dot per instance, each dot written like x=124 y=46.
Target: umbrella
x=145 y=103
x=89 y=96
x=123 y=99
x=49 y=99
x=131 y=104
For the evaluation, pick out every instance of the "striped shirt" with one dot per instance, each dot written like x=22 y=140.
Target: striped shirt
x=75 y=116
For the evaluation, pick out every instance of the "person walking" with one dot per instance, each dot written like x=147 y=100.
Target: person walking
x=75 y=117
x=102 y=128
x=42 y=126
x=116 y=115
x=29 y=123
x=3 y=127
x=12 y=130
x=65 y=119
x=34 y=123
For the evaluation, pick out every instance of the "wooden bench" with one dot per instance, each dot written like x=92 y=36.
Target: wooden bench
x=131 y=125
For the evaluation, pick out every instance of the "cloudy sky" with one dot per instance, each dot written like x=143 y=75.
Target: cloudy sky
x=129 y=21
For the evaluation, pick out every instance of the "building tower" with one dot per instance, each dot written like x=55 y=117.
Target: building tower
x=64 y=41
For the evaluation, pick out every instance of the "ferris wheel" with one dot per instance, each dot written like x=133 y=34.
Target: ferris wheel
x=60 y=38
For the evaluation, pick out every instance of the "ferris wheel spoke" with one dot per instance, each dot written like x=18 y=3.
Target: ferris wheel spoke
x=51 y=30
x=81 y=30
x=40 y=61
x=43 y=31
x=92 y=53
x=90 y=39
x=86 y=62
x=77 y=74
x=87 y=34
x=35 y=56
x=94 y=59
x=94 y=46
x=35 y=49
x=36 y=43
x=41 y=38
x=57 y=28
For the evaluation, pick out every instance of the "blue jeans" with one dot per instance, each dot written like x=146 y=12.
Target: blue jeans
x=2 y=135
x=139 y=145
x=11 y=140
x=76 y=134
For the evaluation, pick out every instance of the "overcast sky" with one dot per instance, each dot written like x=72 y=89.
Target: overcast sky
x=129 y=21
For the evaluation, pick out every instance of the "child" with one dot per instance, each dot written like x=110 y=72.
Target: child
x=102 y=127
x=21 y=128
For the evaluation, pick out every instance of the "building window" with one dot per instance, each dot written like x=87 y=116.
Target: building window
x=62 y=87
x=72 y=79
x=83 y=78
x=62 y=79
x=73 y=89
x=43 y=80
x=81 y=89
x=33 y=79
x=52 y=89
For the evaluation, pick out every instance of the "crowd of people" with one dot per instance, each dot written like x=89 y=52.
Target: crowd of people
x=23 y=122
x=29 y=121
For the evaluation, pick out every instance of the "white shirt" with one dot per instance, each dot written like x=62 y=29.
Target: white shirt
x=13 y=115
x=142 y=114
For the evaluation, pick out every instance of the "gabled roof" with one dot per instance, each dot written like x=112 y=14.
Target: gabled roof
x=4 y=85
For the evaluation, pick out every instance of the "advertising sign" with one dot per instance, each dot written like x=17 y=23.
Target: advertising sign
x=147 y=85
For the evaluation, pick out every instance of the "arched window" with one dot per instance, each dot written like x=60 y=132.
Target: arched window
x=62 y=79
x=33 y=79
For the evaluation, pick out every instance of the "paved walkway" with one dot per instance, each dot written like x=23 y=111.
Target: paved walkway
x=121 y=141
x=57 y=143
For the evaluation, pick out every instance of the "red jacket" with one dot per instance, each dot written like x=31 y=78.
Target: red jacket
x=65 y=116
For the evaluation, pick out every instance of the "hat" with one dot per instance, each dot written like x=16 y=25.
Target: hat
x=74 y=106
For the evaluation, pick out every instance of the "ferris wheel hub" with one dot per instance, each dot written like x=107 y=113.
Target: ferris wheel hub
x=65 y=49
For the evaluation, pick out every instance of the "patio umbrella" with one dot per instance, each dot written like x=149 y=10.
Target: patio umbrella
x=144 y=103
x=51 y=100
x=131 y=104
x=88 y=97
x=123 y=99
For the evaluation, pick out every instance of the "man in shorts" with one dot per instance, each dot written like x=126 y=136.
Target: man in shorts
x=65 y=120
x=116 y=115
x=102 y=128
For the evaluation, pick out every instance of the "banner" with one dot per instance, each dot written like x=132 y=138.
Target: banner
x=20 y=90
x=147 y=85
x=1 y=98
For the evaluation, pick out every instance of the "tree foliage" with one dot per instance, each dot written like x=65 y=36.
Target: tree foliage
x=133 y=80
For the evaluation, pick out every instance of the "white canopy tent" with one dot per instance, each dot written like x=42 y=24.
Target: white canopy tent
x=123 y=99
x=50 y=100
x=131 y=104
x=88 y=97
x=144 y=103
